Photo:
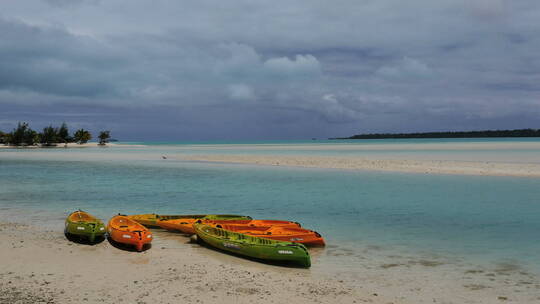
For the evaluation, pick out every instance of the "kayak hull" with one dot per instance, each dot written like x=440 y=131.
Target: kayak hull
x=279 y=233
x=179 y=225
x=124 y=230
x=254 y=247
x=84 y=225
x=185 y=225
x=256 y=223
x=151 y=220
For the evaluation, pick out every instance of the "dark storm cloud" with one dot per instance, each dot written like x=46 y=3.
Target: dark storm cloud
x=52 y=61
x=66 y=3
x=344 y=66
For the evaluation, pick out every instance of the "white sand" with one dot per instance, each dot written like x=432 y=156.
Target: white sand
x=474 y=158
x=70 y=145
x=367 y=146
x=43 y=267
x=372 y=163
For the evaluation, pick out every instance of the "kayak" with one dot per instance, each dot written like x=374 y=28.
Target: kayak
x=178 y=225
x=124 y=230
x=255 y=247
x=151 y=219
x=257 y=223
x=185 y=225
x=85 y=225
x=148 y=220
x=280 y=233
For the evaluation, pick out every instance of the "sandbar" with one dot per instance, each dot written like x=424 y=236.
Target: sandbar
x=380 y=164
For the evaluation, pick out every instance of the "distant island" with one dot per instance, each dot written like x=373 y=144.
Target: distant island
x=24 y=136
x=467 y=134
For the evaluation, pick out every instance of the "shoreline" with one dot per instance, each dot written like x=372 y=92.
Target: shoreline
x=45 y=266
x=69 y=145
x=479 y=159
x=488 y=168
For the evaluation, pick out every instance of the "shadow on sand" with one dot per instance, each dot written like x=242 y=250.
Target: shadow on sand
x=83 y=240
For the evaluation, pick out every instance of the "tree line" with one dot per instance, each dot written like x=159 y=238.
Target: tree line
x=469 y=134
x=23 y=135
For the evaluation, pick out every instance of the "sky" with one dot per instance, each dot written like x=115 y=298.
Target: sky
x=243 y=70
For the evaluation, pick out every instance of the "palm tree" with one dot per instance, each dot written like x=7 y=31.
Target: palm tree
x=63 y=133
x=104 y=137
x=82 y=136
x=49 y=137
x=22 y=135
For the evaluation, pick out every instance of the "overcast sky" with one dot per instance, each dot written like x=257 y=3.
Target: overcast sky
x=202 y=70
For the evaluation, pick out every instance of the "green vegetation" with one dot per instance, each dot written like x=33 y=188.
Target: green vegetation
x=49 y=137
x=63 y=134
x=82 y=136
x=470 y=134
x=23 y=135
x=104 y=137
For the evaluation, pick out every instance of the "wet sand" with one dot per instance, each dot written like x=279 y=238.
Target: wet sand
x=42 y=266
x=520 y=159
x=499 y=168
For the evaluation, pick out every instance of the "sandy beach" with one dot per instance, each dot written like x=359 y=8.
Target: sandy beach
x=70 y=145
x=42 y=266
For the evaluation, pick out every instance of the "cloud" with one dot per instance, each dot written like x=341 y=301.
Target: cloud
x=241 y=92
x=70 y=3
x=405 y=68
x=350 y=64
x=487 y=9
x=304 y=65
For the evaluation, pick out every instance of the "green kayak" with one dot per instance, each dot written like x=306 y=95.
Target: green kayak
x=84 y=225
x=150 y=219
x=254 y=247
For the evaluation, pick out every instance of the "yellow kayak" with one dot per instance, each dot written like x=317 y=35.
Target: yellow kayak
x=151 y=219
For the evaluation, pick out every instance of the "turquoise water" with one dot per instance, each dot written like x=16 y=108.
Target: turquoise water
x=415 y=149
x=487 y=219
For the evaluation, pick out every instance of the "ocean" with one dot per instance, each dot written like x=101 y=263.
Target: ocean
x=479 y=220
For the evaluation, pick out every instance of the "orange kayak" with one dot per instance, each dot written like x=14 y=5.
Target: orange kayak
x=178 y=225
x=279 y=233
x=127 y=231
x=186 y=225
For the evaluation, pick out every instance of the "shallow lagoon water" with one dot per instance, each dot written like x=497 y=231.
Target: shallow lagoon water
x=477 y=219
